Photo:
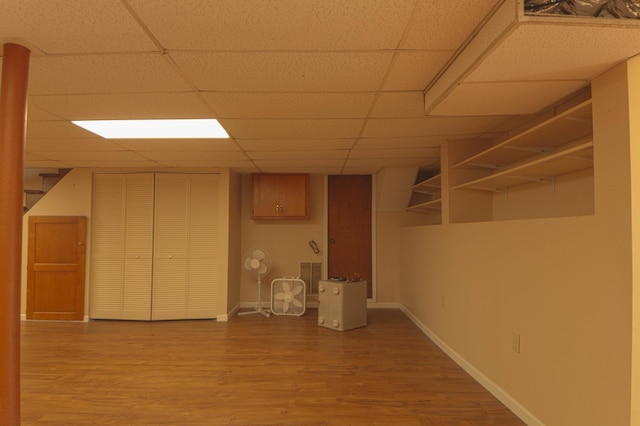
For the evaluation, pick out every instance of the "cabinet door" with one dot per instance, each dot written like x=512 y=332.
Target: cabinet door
x=294 y=196
x=265 y=196
x=280 y=196
x=122 y=246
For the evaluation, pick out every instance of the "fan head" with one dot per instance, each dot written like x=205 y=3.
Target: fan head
x=288 y=296
x=257 y=262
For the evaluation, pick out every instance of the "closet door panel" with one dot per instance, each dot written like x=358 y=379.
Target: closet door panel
x=169 y=289
x=171 y=246
x=204 y=247
x=138 y=248
x=121 y=250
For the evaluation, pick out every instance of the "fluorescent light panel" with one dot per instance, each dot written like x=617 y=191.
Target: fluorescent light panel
x=155 y=129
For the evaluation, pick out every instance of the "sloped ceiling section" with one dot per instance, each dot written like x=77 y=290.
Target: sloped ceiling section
x=520 y=63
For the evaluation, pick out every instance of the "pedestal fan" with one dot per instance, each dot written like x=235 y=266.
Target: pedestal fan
x=258 y=264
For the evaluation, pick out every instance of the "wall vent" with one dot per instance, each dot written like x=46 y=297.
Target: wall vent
x=310 y=273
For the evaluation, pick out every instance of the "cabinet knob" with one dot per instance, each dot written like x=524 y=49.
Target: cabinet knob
x=321 y=288
x=336 y=323
x=336 y=290
x=320 y=320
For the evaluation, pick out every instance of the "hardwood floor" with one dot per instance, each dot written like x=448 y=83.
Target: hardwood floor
x=251 y=370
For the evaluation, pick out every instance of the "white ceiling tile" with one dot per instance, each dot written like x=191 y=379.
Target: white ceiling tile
x=415 y=153
x=72 y=144
x=276 y=24
x=74 y=26
x=107 y=163
x=119 y=106
x=379 y=163
x=56 y=129
x=101 y=156
x=164 y=156
x=415 y=70
x=242 y=166
x=441 y=24
x=294 y=144
x=43 y=164
x=37 y=114
x=428 y=126
x=204 y=145
x=399 y=104
x=289 y=105
x=292 y=129
x=284 y=71
x=299 y=164
x=505 y=98
x=299 y=155
x=117 y=73
x=400 y=143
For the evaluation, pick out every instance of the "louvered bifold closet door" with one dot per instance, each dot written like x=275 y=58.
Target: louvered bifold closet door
x=122 y=243
x=170 y=247
x=204 y=247
x=186 y=246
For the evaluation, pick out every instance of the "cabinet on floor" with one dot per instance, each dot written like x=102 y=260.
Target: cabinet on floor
x=155 y=246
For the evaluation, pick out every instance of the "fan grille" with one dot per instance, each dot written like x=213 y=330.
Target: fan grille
x=288 y=296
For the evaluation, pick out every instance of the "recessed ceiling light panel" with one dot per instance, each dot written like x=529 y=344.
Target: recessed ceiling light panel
x=155 y=129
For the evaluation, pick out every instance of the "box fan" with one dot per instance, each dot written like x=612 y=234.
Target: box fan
x=288 y=296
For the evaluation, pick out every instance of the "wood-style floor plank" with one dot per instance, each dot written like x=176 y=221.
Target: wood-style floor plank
x=251 y=370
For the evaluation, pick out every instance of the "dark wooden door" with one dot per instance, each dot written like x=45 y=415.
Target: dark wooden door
x=56 y=267
x=349 y=224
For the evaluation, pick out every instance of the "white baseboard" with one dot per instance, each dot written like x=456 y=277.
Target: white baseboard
x=511 y=403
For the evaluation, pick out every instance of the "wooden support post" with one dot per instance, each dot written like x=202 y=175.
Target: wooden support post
x=13 y=112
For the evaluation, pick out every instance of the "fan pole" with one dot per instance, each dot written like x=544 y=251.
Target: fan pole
x=259 y=309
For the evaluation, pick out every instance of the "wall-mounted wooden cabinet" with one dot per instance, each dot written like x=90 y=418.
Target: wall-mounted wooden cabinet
x=280 y=196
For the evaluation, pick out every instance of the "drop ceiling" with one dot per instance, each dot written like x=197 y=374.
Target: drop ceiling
x=318 y=86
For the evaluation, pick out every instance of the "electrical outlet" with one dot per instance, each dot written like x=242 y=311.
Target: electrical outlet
x=443 y=302
x=516 y=342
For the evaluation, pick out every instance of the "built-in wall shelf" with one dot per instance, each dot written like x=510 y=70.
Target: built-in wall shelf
x=428 y=186
x=426 y=195
x=547 y=137
x=508 y=178
x=543 y=168
x=426 y=207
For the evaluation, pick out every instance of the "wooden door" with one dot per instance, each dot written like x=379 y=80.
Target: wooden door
x=349 y=224
x=56 y=267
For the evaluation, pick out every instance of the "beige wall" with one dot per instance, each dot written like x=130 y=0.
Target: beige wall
x=564 y=285
x=72 y=197
x=286 y=241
